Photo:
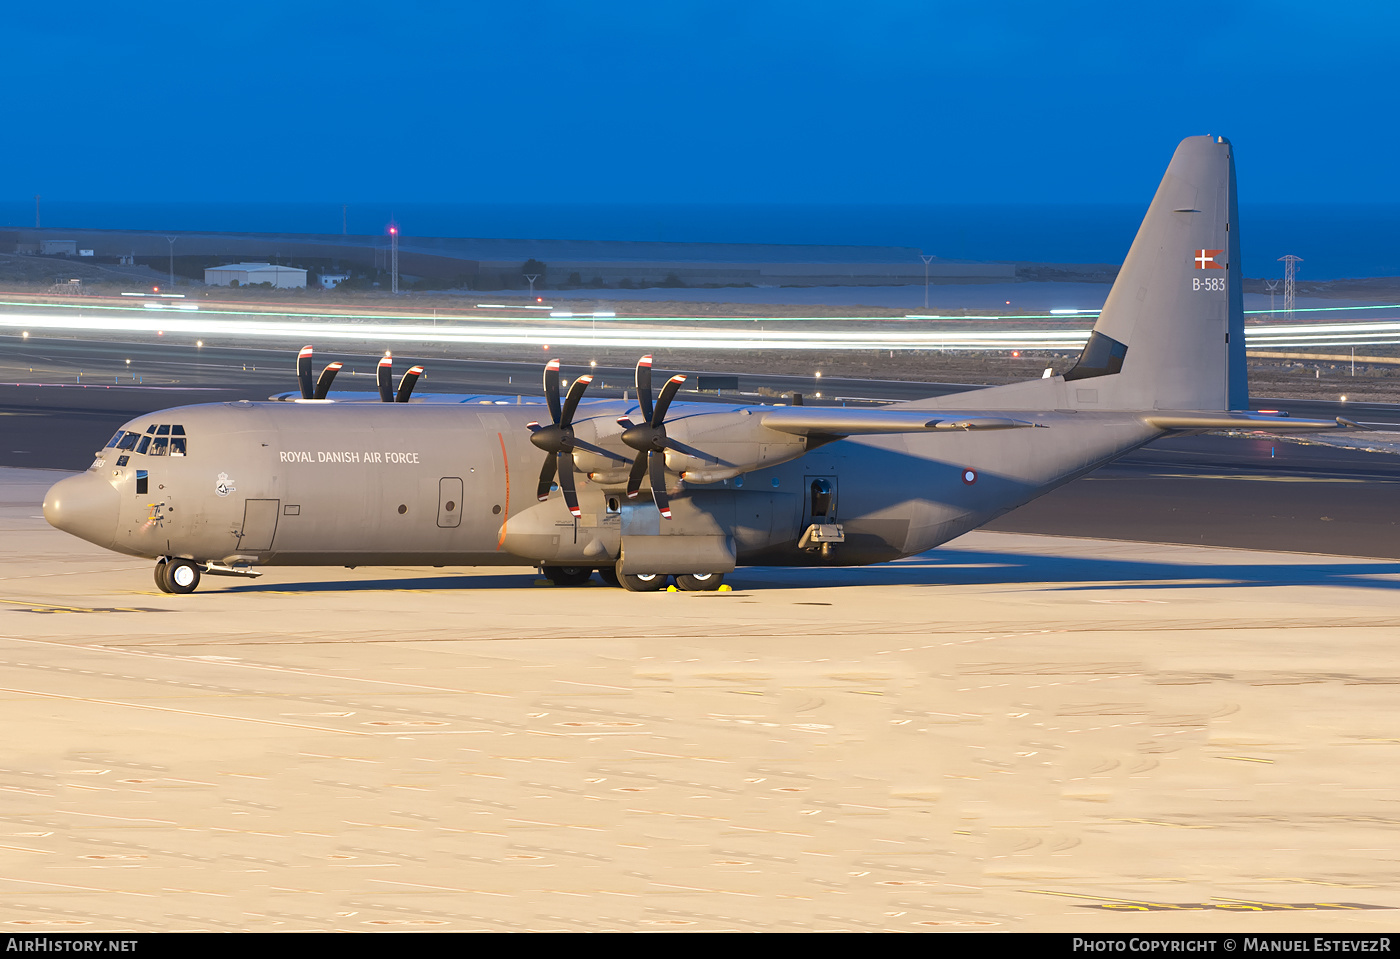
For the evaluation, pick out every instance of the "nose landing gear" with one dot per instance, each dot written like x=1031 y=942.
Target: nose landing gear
x=176 y=575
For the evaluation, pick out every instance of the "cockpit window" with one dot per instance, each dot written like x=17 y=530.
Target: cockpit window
x=116 y=438
x=164 y=439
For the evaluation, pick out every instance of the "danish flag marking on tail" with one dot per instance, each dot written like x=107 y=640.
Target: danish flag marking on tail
x=1205 y=260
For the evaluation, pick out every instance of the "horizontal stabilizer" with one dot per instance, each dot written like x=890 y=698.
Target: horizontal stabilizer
x=1242 y=421
x=844 y=421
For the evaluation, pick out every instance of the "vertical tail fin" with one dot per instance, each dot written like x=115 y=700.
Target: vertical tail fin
x=1171 y=335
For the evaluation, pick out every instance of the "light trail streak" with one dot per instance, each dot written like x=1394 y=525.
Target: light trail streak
x=747 y=333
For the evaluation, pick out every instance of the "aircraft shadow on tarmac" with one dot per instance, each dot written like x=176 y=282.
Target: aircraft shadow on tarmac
x=944 y=569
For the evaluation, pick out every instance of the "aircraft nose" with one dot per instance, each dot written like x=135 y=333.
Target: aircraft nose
x=86 y=506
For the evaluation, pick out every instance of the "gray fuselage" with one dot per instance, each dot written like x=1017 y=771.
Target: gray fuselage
x=274 y=483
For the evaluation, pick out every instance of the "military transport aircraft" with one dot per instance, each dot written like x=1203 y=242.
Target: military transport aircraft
x=645 y=489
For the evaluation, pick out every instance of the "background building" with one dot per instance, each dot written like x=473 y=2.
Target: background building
x=283 y=277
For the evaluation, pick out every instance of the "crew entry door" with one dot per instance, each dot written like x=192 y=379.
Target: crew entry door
x=259 y=524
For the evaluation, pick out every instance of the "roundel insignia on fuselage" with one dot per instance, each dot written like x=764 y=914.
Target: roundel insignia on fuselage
x=969 y=477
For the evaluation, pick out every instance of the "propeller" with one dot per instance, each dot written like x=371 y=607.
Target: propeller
x=323 y=383
x=558 y=437
x=649 y=437
x=385 y=379
x=407 y=383
x=385 y=376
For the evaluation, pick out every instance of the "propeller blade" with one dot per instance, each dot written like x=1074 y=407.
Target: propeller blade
x=658 y=482
x=668 y=393
x=407 y=383
x=571 y=401
x=634 y=479
x=304 y=372
x=323 y=383
x=644 y=386
x=546 y=479
x=566 y=482
x=551 y=388
x=386 y=375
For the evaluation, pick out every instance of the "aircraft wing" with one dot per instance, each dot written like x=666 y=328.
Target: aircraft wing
x=846 y=421
x=1176 y=420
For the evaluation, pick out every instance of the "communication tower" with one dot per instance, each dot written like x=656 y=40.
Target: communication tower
x=394 y=258
x=1290 y=271
x=1272 y=286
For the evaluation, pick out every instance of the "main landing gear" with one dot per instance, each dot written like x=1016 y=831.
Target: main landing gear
x=632 y=582
x=176 y=575
x=688 y=582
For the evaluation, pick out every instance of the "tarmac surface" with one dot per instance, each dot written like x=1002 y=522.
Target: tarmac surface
x=1010 y=733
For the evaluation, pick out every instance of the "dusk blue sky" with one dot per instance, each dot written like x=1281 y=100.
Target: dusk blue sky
x=681 y=101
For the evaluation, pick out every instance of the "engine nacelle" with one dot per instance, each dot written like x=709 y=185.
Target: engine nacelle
x=701 y=447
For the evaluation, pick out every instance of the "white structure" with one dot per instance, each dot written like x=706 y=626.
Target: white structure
x=282 y=277
x=330 y=281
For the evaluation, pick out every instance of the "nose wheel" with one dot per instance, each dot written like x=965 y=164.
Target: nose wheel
x=176 y=575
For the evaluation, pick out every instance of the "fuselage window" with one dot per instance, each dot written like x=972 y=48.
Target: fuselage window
x=145 y=443
x=123 y=460
x=158 y=448
x=177 y=445
x=116 y=438
x=128 y=441
x=141 y=482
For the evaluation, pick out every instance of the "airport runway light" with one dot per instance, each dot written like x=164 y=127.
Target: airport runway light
x=199 y=343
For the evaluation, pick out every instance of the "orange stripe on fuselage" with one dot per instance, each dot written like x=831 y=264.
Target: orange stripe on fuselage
x=505 y=460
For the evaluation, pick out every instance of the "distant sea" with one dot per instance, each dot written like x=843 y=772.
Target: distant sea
x=1335 y=241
